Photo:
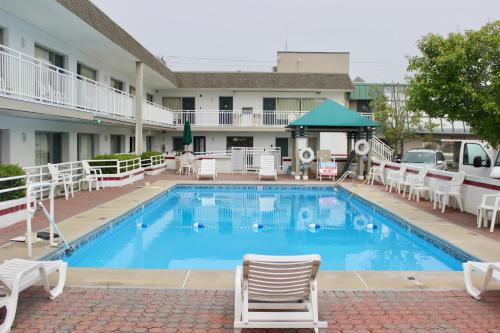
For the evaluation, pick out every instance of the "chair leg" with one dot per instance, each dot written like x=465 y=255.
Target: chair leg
x=479 y=217
x=11 y=307
x=473 y=291
x=493 y=219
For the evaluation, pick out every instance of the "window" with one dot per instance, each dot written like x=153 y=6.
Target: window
x=85 y=147
x=2 y=36
x=177 y=144
x=131 y=90
x=86 y=72
x=307 y=104
x=363 y=106
x=172 y=103
x=49 y=56
x=149 y=98
x=440 y=156
x=117 y=84
x=475 y=151
x=48 y=148
x=199 y=144
x=116 y=144
x=239 y=141
x=149 y=142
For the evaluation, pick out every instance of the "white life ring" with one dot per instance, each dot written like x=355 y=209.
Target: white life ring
x=305 y=215
x=361 y=147
x=306 y=152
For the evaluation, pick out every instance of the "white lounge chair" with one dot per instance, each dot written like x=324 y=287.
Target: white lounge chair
x=413 y=180
x=277 y=292
x=446 y=190
x=91 y=175
x=267 y=168
x=488 y=270
x=207 y=169
x=18 y=274
x=490 y=202
x=377 y=172
x=62 y=178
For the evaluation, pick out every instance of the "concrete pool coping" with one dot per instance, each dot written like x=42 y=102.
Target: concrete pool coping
x=81 y=224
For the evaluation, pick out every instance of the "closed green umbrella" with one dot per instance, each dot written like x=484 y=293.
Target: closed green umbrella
x=187 y=136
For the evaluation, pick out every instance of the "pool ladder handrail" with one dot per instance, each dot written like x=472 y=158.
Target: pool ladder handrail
x=54 y=225
x=344 y=176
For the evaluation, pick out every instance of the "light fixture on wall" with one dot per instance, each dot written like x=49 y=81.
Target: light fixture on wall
x=23 y=42
x=23 y=136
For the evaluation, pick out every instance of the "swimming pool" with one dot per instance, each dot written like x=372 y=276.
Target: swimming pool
x=212 y=227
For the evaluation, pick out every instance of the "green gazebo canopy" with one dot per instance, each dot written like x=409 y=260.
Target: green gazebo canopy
x=332 y=115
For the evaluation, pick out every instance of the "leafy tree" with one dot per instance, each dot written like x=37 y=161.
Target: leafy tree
x=458 y=77
x=397 y=124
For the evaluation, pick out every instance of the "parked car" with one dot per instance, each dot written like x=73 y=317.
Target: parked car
x=434 y=159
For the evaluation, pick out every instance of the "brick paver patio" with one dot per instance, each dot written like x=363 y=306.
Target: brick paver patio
x=159 y=310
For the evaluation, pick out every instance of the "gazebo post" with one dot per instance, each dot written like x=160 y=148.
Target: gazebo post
x=361 y=162
x=369 y=138
x=294 y=153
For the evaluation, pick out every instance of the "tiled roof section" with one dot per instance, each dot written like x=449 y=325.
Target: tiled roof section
x=263 y=80
x=93 y=16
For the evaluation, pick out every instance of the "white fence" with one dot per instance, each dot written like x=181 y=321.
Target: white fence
x=248 y=159
x=158 y=114
x=381 y=149
x=40 y=173
x=153 y=161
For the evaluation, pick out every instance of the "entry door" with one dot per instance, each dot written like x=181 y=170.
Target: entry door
x=199 y=144
x=188 y=104
x=283 y=144
x=226 y=110
x=269 y=108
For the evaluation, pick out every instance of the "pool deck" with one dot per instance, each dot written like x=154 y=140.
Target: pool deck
x=84 y=220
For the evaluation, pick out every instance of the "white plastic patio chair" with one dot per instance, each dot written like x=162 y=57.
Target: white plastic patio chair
x=186 y=164
x=394 y=177
x=62 y=178
x=412 y=180
x=91 y=175
x=267 y=168
x=207 y=169
x=446 y=190
x=19 y=274
x=488 y=270
x=377 y=172
x=490 y=202
x=277 y=292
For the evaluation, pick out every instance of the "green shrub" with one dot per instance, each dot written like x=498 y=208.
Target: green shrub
x=10 y=170
x=119 y=157
x=148 y=154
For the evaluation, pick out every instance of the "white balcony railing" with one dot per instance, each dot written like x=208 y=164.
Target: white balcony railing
x=27 y=78
x=157 y=114
x=236 y=118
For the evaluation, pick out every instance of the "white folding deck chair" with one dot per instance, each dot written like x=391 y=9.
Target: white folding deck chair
x=447 y=190
x=207 y=169
x=395 y=176
x=91 y=175
x=19 y=274
x=62 y=178
x=277 y=292
x=267 y=168
x=488 y=270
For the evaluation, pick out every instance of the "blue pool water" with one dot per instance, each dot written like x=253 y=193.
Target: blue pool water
x=161 y=234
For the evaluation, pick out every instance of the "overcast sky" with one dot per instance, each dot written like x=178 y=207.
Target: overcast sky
x=228 y=35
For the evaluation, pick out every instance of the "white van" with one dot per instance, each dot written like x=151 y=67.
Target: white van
x=478 y=158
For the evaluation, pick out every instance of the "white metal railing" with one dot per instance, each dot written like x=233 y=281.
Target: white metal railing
x=4 y=190
x=40 y=174
x=381 y=149
x=153 y=161
x=368 y=115
x=27 y=78
x=158 y=114
x=214 y=153
x=114 y=166
x=236 y=118
x=442 y=125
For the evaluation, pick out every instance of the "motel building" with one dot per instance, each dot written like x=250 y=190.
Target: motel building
x=88 y=89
